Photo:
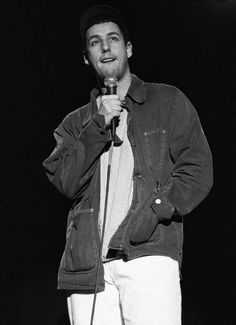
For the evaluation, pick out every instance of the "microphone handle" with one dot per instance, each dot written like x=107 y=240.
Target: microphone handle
x=111 y=90
x=113 y=128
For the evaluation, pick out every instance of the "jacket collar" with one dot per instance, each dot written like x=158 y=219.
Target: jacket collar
x=137 y=90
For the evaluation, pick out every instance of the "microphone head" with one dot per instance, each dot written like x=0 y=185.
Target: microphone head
x=110 y=82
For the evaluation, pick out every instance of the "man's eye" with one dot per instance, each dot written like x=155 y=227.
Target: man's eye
x=114 y=38
x=94 y=43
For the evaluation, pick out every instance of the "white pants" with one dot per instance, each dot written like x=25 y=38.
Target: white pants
x=143 y=291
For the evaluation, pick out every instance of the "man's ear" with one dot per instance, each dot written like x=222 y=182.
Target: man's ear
x=85 y=58
x=129 y=49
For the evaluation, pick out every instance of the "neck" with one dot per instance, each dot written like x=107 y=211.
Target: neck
x=123 y=86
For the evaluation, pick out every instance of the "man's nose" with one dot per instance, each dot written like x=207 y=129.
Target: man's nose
x=105 y=46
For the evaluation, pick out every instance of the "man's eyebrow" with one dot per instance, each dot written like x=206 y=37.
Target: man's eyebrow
x=108 y=34
x=112 y=33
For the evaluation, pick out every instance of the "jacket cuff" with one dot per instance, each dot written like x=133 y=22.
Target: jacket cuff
x=162 y=208
x=99 y=120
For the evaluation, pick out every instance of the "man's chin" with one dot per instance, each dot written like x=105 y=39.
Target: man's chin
x=109 y=73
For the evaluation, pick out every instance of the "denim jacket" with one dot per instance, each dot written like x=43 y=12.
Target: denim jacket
x=172 y=175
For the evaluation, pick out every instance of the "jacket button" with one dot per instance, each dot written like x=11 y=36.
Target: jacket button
x=158 y=201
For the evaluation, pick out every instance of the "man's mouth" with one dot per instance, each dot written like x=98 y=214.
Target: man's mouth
x=107 y=60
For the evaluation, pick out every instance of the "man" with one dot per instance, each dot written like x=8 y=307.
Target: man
x=161 y=169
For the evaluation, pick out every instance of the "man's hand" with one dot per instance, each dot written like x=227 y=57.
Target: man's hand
x=110 y=107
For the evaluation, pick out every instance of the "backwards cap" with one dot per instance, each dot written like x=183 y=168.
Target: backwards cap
x=98 y=14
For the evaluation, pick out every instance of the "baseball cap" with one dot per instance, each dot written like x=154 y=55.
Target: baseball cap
x=101 y=13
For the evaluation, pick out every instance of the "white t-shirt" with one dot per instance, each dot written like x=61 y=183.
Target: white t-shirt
x=121 y=183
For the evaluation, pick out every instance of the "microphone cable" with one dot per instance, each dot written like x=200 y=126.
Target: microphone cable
x=111 y=84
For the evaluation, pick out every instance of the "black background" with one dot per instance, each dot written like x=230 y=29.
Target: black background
x=189 y=44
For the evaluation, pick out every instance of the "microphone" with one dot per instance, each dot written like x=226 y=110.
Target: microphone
x=111 y=84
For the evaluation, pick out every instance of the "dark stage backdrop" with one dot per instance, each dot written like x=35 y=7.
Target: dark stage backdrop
x=189 y=44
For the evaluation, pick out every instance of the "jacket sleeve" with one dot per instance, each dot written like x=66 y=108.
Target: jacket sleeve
x=72 y=163
x=191 y=177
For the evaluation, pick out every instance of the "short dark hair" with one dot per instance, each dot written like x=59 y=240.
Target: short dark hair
x=101 y=14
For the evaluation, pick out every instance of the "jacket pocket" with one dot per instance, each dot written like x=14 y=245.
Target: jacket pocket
x=146 y=227
x=155 y=142
x=80 y=250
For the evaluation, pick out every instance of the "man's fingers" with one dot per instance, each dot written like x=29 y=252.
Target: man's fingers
x=110 y=107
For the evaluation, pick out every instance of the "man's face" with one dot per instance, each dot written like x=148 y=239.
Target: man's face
x=106 y=51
